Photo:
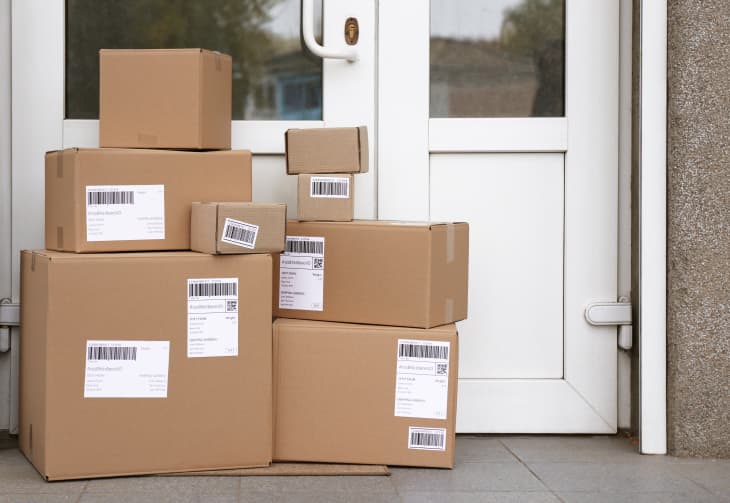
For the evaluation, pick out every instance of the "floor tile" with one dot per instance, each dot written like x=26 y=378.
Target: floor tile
x=468 y=477
x=156 y=497
x=480 y=449
x=493 y=497
x=23 y=478
x=616 y=478
x=713 y=475
x=366 y=484
x=335 y=497
x=580 y=449
x=39 y=498
x=175 y=486
x=658 y=497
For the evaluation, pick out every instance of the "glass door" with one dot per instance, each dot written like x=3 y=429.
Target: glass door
x=504 y=113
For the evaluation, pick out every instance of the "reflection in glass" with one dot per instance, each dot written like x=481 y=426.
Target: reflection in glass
x=497 y=58
x=272 y=77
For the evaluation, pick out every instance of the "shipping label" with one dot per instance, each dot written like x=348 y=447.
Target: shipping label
x=422 y=379
x=126 y=369
x=212 y=317
x=427 y=439
x=329 y=187
x=301 y=274
x=125 y=212
x=240 y=233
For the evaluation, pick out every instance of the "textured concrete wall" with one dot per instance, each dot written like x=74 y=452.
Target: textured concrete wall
x=698 y=323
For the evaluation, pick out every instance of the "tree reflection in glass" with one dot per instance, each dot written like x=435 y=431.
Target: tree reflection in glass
x=272 y=77
x=497 y=58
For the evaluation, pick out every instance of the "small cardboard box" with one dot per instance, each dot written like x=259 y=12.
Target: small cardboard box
x=220 y=228
x=164 y=98
x=366 y=271
x=325 y=198
x=327 y=150
x=100 y=200
x=364 y=393
x=137 y=363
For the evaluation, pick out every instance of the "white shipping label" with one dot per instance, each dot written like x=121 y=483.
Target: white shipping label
x=422 y=379
x=126 y=369
x=301 y=274
x=240 y=233
x=329 y=187
x=125 y=212
x=427 y=439
x=212 y=317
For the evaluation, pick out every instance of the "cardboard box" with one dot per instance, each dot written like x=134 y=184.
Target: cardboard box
x=100 y=200
x=164 y=98
x=364 y=394
x=325 y=197
x=220 y=228
x=127 y=368
x=327 y=150
x=364 y=271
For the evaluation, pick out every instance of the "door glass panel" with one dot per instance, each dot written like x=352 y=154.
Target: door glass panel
x=497 y=58
x=273 y=78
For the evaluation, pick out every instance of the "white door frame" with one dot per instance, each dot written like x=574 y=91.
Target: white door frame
x=652 y=307
x=36 y=107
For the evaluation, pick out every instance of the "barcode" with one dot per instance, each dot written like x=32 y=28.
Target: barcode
x=239 y=233
x=208 y=289
x=409 y=350
x=308 y=247
x=114 y=197
x=111 y=353
x=330 y=187
x=427 y=438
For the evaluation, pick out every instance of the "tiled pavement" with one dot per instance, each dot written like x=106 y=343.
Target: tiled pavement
x=489 y=469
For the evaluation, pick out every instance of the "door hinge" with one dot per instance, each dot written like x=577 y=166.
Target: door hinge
x=9 y=317
x=9 y=313
x=613 y=313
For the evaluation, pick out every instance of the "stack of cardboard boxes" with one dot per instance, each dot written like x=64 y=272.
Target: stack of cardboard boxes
x=137 y=358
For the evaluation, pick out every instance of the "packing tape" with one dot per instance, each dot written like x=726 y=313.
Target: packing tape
x=450 y=243
x=449 y=310
x=32 y=261
x=217 y=61
x=59 y=237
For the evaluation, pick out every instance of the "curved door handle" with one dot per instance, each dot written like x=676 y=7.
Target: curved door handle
x=350 y=54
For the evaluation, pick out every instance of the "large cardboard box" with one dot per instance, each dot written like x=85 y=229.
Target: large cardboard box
x=164 y=98
x=221 y=228
x=327 y=150
x=325 y=198
x=100 y=200
x=365 y=271
x=364 y=394
x=136 y=363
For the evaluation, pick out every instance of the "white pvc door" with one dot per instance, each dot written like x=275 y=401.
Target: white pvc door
x=504 y=113
x=276 y=87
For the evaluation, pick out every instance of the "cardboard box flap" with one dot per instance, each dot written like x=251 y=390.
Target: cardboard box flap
x=362 y=137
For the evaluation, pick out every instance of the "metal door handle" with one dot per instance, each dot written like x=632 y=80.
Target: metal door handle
x=348 y=53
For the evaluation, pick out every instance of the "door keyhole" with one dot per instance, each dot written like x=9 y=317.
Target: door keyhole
x=352 y=31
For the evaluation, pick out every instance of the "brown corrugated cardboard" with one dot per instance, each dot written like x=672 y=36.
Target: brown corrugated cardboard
x=100 y=200
x=327 y=150
x=164 y=98
x=364 y=271
x=184 y=408
x=364 y=394
x=325 y=197
x=237 y=227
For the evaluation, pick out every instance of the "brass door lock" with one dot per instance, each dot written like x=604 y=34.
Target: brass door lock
x=352 y=31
